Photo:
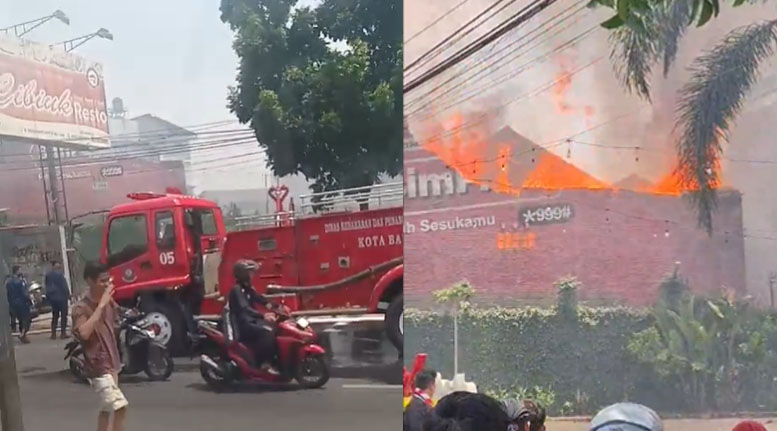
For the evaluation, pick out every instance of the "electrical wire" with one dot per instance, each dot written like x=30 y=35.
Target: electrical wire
x=479 y=92
x=457 y=35
x=514 y=22
x=435 y=22
x=465 y=74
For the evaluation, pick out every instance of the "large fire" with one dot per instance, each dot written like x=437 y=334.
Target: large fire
x=509 y=167
x=553 y=173
x=672 y=184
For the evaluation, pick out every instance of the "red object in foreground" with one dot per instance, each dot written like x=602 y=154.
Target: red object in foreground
x=408 y=379
x=299 y=357
x=749 y=426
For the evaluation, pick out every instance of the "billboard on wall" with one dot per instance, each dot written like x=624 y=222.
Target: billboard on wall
x=51 y=95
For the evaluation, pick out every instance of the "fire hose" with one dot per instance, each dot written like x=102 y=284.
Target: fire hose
x=274 y=288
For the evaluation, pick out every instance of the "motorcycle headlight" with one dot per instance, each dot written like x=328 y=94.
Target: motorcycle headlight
x=303 y=323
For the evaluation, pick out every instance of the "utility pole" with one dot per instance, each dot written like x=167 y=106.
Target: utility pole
x=53 y=186
x=772 y=281
x=10 y=401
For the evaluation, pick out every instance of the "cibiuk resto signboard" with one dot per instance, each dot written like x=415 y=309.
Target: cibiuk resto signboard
x=50 y=95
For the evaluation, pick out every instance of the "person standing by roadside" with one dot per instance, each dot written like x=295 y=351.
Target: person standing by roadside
x=14 y=319
x=420 y=406
x=58 y=295
x=95 y=319
x=19 y=302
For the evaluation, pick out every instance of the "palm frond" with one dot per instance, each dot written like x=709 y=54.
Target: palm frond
x=674 y=18
x=633 y=54
x=710 y=101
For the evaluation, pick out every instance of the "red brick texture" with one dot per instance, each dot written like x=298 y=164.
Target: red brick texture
x=619 y=244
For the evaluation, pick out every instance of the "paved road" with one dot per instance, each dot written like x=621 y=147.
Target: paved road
x=51 y=400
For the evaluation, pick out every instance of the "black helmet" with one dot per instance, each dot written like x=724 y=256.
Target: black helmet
x=243 y=269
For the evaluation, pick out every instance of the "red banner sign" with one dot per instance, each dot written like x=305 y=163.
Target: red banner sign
x=51 y=95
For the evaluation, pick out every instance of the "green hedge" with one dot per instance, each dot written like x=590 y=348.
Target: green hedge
x=578 y=364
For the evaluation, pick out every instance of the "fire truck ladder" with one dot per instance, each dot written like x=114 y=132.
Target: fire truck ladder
x=377 y=196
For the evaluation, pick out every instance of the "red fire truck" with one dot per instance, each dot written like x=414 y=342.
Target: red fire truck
x=339 y=253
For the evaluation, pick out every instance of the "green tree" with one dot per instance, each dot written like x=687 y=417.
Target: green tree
x=647 y=33
x=456 y=298
x=321 y=86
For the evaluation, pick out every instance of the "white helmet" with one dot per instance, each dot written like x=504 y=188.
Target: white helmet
x=626 y=417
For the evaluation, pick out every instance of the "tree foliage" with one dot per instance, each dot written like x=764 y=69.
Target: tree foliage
x=321 y=86
x=714 y=351
x=456 y=296
x=647 y=32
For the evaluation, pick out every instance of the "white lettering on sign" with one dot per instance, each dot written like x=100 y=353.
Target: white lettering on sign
x=167 y=258
x=379 y=241
x=360 y=224
x=71 y=175
x=457 y=223
x=32 y=98
x=547 y=215
x=112 y=171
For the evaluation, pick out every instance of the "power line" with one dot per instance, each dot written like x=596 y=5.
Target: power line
x=440 y=18
x=519 y=18
x=219 y=144
x=448 y=39
x=479 y=119
x=506 y=77
x=140 y=146
x=465 y=76
x=157 y=151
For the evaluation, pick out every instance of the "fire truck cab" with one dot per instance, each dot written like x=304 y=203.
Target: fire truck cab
x=325 y=258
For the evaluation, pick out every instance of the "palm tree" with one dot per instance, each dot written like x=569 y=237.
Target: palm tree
x=646 y=33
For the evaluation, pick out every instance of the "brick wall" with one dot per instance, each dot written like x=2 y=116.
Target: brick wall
x=620 y=244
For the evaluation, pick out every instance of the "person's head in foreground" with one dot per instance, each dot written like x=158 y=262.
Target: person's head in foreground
x=749 y=426
x=626 y=417
x=464 y=411
x=425 y=383
x=97 y=277
x=525 y=415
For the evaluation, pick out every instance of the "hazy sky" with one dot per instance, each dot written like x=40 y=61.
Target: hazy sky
x=169 y=58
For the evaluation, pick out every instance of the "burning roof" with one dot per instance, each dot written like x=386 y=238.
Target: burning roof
x=508 y=162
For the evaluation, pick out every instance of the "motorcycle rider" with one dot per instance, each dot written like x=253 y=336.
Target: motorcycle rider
x=255 y=329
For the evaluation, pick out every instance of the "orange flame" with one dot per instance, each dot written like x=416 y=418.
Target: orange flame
x=473 y=154
x=672 y=183
x=552 y=173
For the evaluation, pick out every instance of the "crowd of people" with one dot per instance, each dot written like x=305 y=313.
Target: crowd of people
x=465 y=411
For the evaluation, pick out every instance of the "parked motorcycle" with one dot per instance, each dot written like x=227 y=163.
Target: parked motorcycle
x=40 y=303
x=228 y=361
x=138 y=350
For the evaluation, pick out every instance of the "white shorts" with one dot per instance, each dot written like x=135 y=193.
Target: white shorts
x=111 y=397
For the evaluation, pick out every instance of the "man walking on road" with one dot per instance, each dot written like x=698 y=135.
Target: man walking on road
x=58 y=294
x=95 y=319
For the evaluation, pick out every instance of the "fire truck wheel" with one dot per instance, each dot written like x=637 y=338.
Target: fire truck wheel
x=394 y=322
x=168 y=323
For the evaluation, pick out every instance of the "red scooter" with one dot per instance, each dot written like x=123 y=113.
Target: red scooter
x=298 y=356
